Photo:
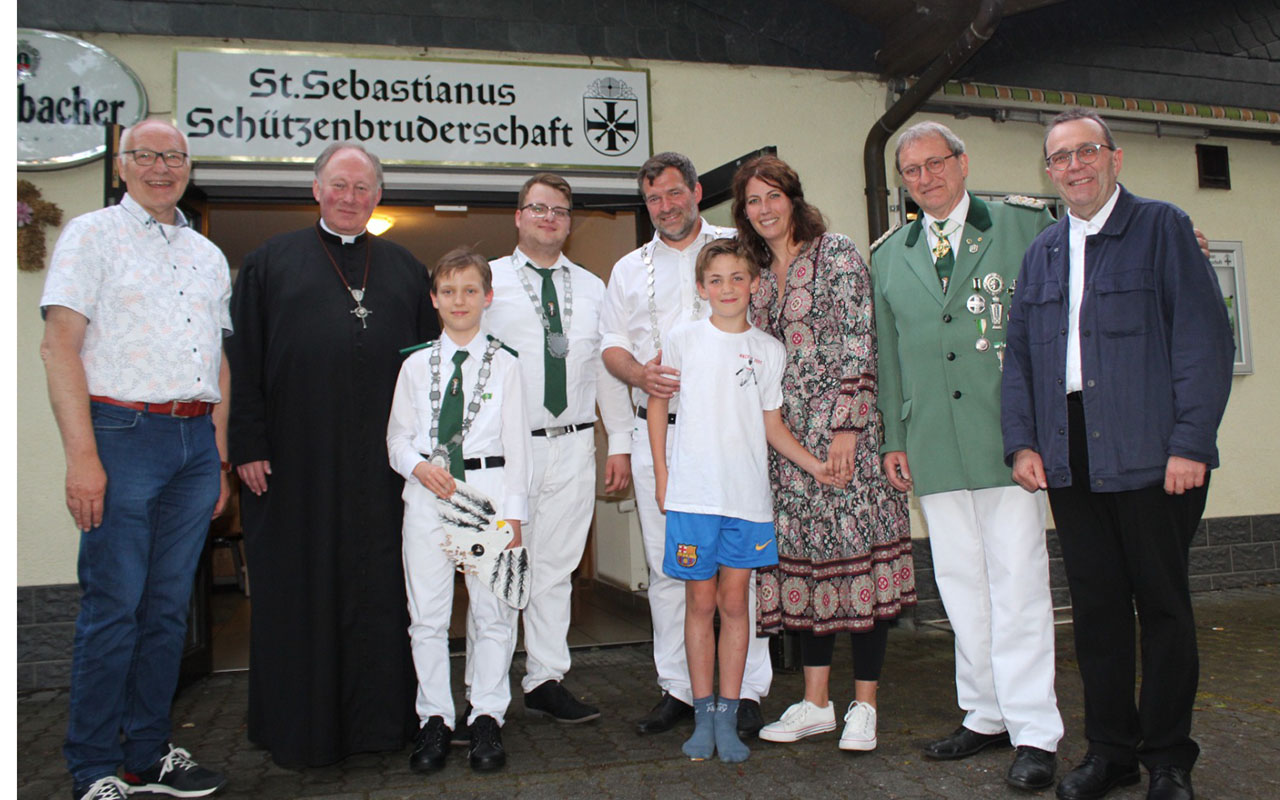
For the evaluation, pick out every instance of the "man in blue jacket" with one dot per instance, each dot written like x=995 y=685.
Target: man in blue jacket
x=1116 y=376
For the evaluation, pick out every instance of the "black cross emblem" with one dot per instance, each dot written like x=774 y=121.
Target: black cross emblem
x=613 y=125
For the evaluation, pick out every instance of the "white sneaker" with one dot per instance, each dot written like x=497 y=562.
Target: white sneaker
x=800 y=720
x=859 y=728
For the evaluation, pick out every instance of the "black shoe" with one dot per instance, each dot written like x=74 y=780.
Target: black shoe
x=964 y=743
x=1032 y=768
x=176 y=774
x=430 y=746
x=550 y=699
x=1094 y=777
x=750 y=720
x=664 y=715
x=1170 y=783
x=462 y=731
x=486 y=745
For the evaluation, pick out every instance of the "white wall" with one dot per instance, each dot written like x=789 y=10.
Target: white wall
x=713 y=113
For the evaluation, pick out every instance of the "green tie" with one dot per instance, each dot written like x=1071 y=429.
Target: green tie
x=451 y=416
x=554 y=397
x=944 y=259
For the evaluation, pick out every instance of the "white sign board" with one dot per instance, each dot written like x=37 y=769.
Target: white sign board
x=265 y=106
x=68 y=92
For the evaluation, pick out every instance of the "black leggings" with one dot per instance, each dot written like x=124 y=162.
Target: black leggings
x=868 y=651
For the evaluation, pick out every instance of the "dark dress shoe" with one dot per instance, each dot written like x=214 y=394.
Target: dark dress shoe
x=462 y=731
x=550 y=699
x=664 y=715
x=1032 y=768
x=750 y=720
x=1095 y=777
x=486 y=752
x=430 y=746
x=964 y=743
x=1170 y=783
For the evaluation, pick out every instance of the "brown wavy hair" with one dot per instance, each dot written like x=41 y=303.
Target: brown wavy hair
x=806 y=220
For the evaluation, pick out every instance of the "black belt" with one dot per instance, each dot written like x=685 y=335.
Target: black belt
x=561 y=430
x=488 y=462
x=642 y=414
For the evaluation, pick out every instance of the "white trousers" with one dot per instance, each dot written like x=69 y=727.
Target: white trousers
x=491 y=623
x=561 y=502
x=992 y=570
x=666 y=595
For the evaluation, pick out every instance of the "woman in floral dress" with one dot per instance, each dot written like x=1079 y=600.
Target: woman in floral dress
x=844 y=553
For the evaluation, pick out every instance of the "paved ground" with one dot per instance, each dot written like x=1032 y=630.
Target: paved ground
x=1237 y=723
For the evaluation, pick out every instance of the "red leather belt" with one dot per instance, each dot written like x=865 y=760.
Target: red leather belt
x=174 y=408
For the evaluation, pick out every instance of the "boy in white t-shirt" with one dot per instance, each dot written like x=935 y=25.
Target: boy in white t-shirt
x=464 y=389
x=716 y=490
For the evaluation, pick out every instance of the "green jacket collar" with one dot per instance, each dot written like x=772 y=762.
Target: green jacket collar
x=979 y=216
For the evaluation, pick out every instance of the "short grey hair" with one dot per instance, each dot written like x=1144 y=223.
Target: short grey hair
x=1073 y=114
x=329 y=152
x=660 y=163
x=923 y=130
x=127 y=137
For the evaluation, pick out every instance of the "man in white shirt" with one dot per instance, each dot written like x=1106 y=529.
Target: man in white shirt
x=650 y=290
x=548 y=309
x=136 y=305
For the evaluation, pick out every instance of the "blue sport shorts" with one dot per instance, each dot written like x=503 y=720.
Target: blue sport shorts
x=699 y=544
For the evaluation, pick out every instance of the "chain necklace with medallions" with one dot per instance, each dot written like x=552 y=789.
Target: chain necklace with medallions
x=557 y=343
x=360 y=311
x=440 y=454
x=646 y=256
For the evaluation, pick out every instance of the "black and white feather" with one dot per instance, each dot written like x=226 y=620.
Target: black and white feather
x=477 y=542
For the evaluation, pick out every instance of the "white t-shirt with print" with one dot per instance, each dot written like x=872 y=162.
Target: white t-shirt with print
x=719 y=459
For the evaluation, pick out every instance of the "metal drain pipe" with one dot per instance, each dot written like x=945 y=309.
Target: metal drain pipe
x=943 y=67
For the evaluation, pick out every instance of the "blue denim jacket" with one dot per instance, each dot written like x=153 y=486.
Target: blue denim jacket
x=1156 y=349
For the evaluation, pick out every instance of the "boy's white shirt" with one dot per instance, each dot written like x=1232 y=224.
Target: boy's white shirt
x=499 y=428
x=718 y=454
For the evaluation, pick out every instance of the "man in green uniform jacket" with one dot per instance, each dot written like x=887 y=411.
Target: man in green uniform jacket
x=943 y=285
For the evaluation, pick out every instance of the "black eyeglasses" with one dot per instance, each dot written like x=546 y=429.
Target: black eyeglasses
x=145 y=158
x=1085 y=154
x=540 y=211
x=934 y=165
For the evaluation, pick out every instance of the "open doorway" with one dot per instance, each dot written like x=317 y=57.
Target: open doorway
x=600 y=615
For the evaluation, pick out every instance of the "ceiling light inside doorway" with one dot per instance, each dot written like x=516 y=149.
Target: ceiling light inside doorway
x=380 y=224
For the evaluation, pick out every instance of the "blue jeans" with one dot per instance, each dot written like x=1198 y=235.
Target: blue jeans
x=135 y=574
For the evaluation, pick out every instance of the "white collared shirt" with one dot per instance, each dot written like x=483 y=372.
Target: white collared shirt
x=513 y=319
x=347 y=238
x=624 y=321
x=958 y=214
x=1080 y=230
x=157 y=299
x=498 y=429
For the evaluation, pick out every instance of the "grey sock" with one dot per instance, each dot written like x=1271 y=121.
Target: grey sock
x=728 y=745
x=702 y=744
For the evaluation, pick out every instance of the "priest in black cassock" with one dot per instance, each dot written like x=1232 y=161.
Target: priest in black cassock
x=320 y=316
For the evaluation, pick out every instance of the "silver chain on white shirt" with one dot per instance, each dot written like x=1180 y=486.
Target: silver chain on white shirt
x=646 y=255
x=557 y=343
x=440 y=454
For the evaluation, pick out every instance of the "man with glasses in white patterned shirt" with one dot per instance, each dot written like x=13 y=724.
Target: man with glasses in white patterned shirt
x=136 y=305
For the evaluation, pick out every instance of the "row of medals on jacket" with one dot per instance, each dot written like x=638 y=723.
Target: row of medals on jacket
x=993 y=285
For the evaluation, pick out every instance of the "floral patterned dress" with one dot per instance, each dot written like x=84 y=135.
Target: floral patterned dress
x=844 y=555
